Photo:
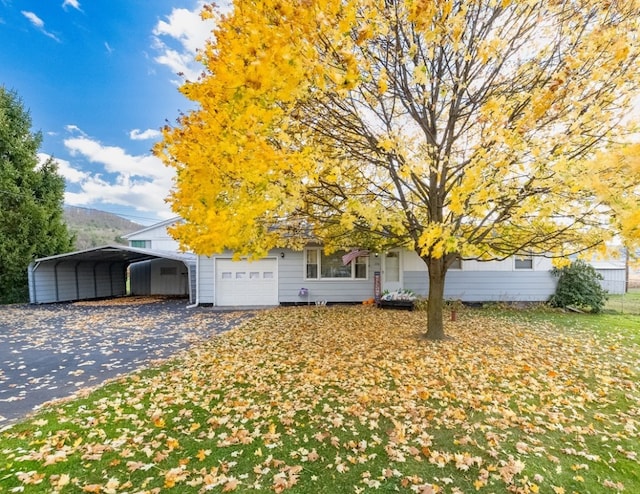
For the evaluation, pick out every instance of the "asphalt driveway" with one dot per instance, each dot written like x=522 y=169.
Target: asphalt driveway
x=50 y=352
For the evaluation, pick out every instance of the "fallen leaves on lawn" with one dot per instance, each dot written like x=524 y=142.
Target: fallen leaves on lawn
x=298 y=394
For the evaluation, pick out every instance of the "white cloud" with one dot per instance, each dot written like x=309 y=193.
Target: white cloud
x=108 y=47
x=74 y=128
x=138 y=135
x=116 y=160
x=140 y=183
x=71 y=3
x=34 y=19
x=38 y=24
x=179 y=63
x=178 y=37
x=141 y=196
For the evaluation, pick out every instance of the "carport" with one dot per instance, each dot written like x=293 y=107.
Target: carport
x=101 y=272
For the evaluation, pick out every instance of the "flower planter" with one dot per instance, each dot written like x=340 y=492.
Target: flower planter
x=396 y=304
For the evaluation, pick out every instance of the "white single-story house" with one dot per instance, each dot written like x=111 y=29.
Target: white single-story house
x=284 y=276
x=296 y=277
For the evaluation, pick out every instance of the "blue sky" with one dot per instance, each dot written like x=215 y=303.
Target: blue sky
x=99 y=78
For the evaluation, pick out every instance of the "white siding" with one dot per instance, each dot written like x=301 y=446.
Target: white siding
x=206 y=280
x=413 y=262
x=291 y=280
x=486 y=281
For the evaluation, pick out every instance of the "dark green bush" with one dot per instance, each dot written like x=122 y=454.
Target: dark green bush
x=579 y=286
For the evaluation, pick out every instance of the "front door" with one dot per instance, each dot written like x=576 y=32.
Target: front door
x=392 y=271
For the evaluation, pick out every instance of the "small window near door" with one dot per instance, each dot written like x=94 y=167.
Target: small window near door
x=312 y=263
x=524 y=261
x=168 y=271
x=361 y=268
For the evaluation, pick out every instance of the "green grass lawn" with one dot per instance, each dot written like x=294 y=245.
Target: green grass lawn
x=629 y=303
x=353 y=399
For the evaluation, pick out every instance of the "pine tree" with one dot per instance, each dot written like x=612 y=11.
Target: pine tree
x=31 y=200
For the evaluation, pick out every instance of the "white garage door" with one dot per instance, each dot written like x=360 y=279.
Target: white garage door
x=246 y=283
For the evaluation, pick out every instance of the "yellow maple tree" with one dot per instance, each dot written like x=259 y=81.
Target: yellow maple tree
x=454 y=128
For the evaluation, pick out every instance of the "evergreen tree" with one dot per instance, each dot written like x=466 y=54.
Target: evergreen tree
x=31 y=201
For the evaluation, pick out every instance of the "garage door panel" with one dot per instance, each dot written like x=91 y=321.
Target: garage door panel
x=246 y=283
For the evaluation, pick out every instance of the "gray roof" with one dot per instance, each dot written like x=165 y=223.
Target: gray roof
x=119 y=253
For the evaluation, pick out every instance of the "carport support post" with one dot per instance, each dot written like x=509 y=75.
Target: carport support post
x=95 y=281
x=55 y=277
x=77 y=280
x=111 y=279
x=33 y=286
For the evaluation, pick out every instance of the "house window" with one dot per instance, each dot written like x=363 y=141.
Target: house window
x=312 y=263
x=524 y=261
x=322 y=266
x=141 y=244
x=360 y=264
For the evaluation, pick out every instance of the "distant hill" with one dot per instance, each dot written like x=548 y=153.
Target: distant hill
x=94 y=228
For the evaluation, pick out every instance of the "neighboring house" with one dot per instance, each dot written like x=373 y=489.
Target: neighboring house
x=154 y=237
x=614 y=274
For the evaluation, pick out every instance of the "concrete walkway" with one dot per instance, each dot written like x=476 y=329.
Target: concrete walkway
x=49 y=352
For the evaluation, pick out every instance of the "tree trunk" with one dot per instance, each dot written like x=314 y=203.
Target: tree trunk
x=437 y=272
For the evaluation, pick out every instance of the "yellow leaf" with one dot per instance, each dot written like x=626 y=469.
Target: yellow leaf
x=230 y=485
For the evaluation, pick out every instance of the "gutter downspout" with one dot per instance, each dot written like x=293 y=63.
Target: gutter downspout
x=197 y=301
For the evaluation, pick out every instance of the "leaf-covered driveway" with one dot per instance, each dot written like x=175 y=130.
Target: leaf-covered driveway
x=53 y=351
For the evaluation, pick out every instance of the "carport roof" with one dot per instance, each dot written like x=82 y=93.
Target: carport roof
x=118 y=253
